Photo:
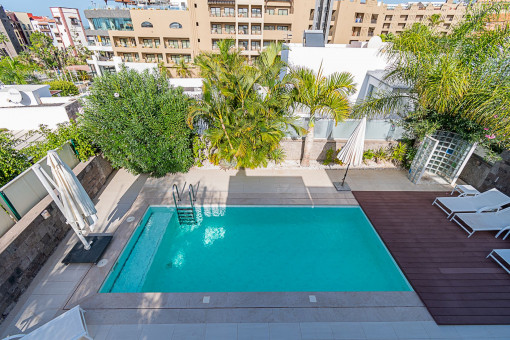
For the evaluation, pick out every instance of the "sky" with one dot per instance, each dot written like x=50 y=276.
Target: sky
x=42 y=7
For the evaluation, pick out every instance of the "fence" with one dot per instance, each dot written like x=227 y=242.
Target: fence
x=25 y=191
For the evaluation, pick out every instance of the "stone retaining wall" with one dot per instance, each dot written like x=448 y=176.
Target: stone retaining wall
x=293 y=148
x=27 y=245
x=484 y=176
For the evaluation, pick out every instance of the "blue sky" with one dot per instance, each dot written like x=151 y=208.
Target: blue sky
x=42 y=7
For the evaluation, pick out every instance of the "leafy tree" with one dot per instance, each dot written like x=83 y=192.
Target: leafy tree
x=387 y=37
x=139 y=122
x=321 y=96
x=457 y=82
x=12 y=162
x=67 y=87
x=245 y=106
x=3 y=39
x=52 y=139
x=13 y=71
x=435 y=20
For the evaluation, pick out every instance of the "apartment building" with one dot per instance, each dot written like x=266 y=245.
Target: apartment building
x=46 y=26
x=70 y=26
x=12 y=46
x=169 y=31
x=23 y=40
x=359 y=20
x=25 y=23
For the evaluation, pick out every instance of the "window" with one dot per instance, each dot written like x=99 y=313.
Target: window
x=147 y=43
x=229 y=11
x=185 y=43
x=267 y=43
x=242 y=29
x=74 y=21
x=176 y=58
x=255 y=45
x=255 y=29
x=172 y=43
x=150 y=58
x=230 y=29
x=256 y=12
x=146 y=24
x=176 y=25
x=216 y=28
x=282 y=28
x=215 y=11
x=270 y=11
x=268 y=28
x=215 y=44
x=243 y=44
x=283 y=12
x=243 y=12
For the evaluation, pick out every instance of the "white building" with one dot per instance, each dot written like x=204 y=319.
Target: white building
x=70 y=26
x=47 y=26
x=28 y=106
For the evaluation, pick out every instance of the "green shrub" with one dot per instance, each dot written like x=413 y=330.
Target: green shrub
x=403 y=153
x=331 y=157
x=139 y=122
x=199 y=150
x=12 y=161
x=67 y=87
x=52 y=139
x=380 y=155
x=368 y=155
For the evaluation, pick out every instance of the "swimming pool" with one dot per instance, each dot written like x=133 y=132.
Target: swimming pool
x=255 y=249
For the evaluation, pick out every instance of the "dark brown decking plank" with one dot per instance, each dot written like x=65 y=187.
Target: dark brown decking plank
x=448 y=270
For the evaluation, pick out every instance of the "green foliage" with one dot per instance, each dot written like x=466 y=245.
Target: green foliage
x=52 y=139
x=15 y=71
x=403 y=153
x=387 y=37
x=245 y=106
x=199 y=150
x=67 y=87
x=12 y=162
x=331 y=157
x=139 y=122
x=457 y=82
x=380 y=154
x=368 y=155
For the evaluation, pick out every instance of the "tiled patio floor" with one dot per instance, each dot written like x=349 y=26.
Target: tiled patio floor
x=126 y=195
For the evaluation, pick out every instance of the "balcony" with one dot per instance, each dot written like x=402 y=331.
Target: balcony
x=216 y=31
x=256 y=32
x=373 y=21
x=358 y=20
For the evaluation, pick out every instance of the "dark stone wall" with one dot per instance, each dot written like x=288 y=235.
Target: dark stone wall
x=29 y=243
x=484 y=176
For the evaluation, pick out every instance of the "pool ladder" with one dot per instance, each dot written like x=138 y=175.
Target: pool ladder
x=185 y=214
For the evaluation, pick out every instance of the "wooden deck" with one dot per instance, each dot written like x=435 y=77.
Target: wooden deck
x=449 y=271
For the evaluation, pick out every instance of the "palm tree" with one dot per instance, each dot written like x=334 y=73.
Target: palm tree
x=435 y=20
x=164 y=70
x=183 y=69
x=323 y=97
x=245 y=106
x=12 y=71
x=457 y=82
x=3 y=40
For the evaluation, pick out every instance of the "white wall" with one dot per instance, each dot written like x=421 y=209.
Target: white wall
x=337 y=58
x=30 y=117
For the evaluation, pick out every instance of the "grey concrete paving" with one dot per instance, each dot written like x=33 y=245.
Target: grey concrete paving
x=340 y=316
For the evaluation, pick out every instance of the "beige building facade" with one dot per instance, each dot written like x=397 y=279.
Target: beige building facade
x=172 y=33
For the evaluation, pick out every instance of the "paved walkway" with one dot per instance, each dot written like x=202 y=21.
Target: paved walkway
x=54 y=286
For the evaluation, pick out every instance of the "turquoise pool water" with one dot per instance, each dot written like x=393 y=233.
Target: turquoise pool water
x=256 y=249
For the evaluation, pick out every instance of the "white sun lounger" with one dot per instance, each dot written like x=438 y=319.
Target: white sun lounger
x=503 y=255
x=486 y=201
x=68 y=326
x=485 y=221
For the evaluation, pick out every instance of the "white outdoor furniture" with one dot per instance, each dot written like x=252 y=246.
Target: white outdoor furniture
x=68 y=326
x=465 y=190
x=484 y=221
x=486 y=201
x=504 y=256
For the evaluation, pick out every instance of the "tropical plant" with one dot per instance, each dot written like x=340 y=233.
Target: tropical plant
x=331 y=157
x=12 y=161
x=457 y=82
x=322 y=97
x=387 y=37
x=13 y=71
x=246 y=107
x=67 y=87
x=199 y=150
x=54 y=138
x=139 y=122
x=3 y=40
x=435 y=20
x=183 y=70
x=380 y=155
x=165 y=71
x=368 y=155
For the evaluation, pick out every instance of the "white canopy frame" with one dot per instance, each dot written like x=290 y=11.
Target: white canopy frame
x=72 y=200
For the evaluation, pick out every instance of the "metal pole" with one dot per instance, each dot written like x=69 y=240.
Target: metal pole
x=10 y=206
x=345 y=175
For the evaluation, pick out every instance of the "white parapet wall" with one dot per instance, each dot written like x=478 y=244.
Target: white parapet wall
x=30 y=117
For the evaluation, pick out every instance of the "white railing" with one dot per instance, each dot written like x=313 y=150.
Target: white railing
x=25 y=191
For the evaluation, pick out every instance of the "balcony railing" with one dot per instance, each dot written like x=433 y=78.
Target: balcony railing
x=358 y=20
x=216 y=31
x=256 y=32
x=256 y=15
x=242 y=15
x=243 y=31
